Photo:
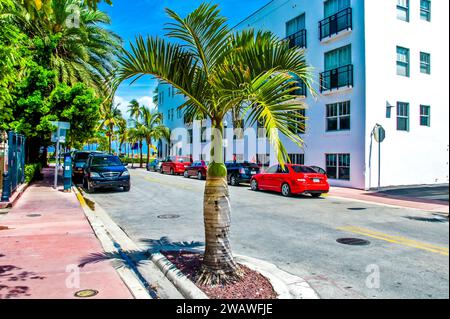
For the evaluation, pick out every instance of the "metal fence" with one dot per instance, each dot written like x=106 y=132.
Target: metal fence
x=13 y=168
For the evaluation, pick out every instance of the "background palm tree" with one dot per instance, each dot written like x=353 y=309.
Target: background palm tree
x=111 y=118
x=122 y=132
x=152 y=128
x=135 y=111
x=251 y=74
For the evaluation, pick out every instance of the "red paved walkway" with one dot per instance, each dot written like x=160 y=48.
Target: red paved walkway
x=377 y=198
x=39 y=256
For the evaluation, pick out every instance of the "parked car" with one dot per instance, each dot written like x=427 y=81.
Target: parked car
x=241 y=172
x=197 y=169
x=319 y=170
x=79 y=160
x=155 y=165
x=293 y=179
x=105 y=171
x=175 y=165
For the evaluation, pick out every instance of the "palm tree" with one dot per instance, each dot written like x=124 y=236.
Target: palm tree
x=122 y=133
x=111 y=118
x=152 y=128
x=253 y=74
x=82 y=48
x=135 y=111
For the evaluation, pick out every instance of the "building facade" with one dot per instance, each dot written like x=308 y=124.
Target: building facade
x=375 y=62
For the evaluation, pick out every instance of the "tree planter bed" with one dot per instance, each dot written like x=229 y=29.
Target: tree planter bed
x=253 y=285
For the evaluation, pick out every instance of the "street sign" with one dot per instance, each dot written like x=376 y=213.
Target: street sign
x=61 y=125
x=59 y=137
x=62 y=136
x=379 y=133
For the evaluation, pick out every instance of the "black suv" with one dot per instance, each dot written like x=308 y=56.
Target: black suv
x=79 y=160
x=104 y=171
x=241 y=172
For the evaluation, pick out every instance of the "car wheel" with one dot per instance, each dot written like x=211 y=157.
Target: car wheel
x=315 y=195
x=286 y=190
x=200 y=176
x=186 y=174
x=127 y=188
x=254 y=185
x=234 y=180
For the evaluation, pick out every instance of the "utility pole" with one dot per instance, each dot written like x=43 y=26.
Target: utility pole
x=55 y=186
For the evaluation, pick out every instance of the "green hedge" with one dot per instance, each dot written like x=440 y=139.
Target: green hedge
x=32 y=172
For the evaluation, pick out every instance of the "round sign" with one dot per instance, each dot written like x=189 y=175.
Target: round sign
x=379 y=133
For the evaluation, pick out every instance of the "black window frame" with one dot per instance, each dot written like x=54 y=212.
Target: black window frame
x=404 y=9
x=406 y=64
x=338 y=166
x=425 y=116
x=425 y=64
x=425 y=13
x=339 y=116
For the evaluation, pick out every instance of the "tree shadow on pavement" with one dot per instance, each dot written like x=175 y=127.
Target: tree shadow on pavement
x=165 y=244
x=11 y=278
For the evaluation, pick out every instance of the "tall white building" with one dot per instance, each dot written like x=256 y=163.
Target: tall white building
x=376 y=62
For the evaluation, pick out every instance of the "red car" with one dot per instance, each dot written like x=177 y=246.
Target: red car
x=197 y=169
x=175 y=165
x=293 y=179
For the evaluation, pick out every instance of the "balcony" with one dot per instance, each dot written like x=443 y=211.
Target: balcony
x=297 y=39
x=336 y=79
x=338 y=22
x=301 y=91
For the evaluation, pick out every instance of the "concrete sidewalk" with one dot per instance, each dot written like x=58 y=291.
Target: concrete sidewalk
x=43 y=239
x=383 y=198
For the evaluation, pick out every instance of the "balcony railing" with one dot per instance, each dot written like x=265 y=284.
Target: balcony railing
x=297 y=39
x=336 y=78
x=336 y=23
x=301 y=89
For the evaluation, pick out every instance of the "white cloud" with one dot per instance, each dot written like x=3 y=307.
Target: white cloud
x=143 y=100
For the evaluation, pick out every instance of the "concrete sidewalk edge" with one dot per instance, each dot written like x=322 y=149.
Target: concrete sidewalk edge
x=15 y=196
x=125 y=272
x=146 y=268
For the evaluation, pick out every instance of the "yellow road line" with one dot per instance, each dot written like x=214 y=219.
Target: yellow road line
x=396 y=240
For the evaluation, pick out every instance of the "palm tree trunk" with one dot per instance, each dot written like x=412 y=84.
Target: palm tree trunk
x=218 y=265
x=148 y=151
x=110 y=142
x=141 y=156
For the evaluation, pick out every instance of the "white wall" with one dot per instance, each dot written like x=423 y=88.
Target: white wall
x=318 y=142
x=419 y=156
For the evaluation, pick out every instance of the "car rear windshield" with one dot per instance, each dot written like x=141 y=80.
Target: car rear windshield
x=106 y=161
x=81 y=157
x=303 y=169
x=183 y=159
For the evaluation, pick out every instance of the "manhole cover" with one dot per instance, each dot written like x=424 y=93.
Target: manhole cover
x=34 y=215
x=353 y=241
x=429 y=220
x=356 y=208
x=169 y=216
x=86 y=293
x=4 y=228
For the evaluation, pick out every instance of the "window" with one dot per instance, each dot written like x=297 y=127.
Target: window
x=425 y=10
x=179 y=113
x=272 y=170
x=338 y=116
x=296 y=33
x=338 y=166
x=189 y=136
x=300 y=122
x=203 y=135
x=261 y=130
x=263 y=159
x=297 y=159
x=295 y=25
x=338 y=57
x=425 y=115
x=403 y=10
x=402 y=116
x=403 y=61
x=334 y=6
x=425 y=66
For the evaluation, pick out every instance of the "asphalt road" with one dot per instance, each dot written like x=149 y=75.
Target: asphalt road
x=408 y=249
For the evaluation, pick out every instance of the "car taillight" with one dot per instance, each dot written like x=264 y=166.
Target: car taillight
x=301 y=180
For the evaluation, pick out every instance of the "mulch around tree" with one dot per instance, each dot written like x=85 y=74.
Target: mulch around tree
x=253 y=285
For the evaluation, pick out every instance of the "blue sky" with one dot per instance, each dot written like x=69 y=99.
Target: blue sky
x=147 y=17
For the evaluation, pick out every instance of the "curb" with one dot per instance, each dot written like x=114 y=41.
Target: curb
x=144 y=268
x=15 y=196
x=126 y=273
x=286 y=285
x=185 y=286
